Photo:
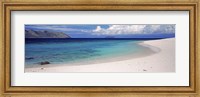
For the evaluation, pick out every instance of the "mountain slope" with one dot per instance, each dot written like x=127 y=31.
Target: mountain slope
x=44 y=34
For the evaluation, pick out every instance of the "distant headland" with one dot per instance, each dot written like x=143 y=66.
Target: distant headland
x=44 y=34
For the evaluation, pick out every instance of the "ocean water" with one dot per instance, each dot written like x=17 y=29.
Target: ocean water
x=70 y=51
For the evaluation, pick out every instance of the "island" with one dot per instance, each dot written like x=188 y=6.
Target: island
x=44 y=34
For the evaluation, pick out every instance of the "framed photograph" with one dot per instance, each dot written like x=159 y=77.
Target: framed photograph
x=100 y=48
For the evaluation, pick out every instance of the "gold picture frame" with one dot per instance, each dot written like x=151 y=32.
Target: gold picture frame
x=123 y=5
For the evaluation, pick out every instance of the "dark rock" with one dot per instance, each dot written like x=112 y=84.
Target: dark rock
x=29 y=58
x=44 y=63
x=144 y=70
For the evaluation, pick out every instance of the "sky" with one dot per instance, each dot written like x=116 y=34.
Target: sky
x=110 y=30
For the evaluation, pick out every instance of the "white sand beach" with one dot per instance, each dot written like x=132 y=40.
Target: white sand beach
x=161 y=61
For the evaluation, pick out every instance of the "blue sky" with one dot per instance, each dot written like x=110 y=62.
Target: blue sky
x=110 y=30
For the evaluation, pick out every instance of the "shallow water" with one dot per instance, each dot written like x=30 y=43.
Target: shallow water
x=61 y=51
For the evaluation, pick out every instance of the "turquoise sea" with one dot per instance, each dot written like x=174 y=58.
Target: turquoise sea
x=70 y=51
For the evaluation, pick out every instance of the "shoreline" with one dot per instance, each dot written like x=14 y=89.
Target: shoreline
x=148 y=50
x=124 y=63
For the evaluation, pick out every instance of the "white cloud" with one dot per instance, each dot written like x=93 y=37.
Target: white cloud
x=98 y=28
x=134 y=29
